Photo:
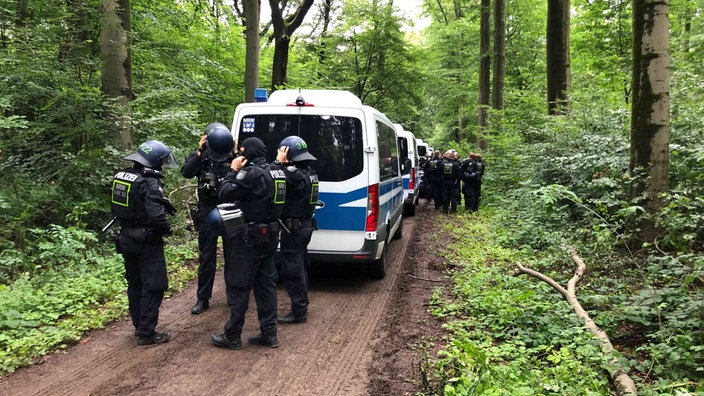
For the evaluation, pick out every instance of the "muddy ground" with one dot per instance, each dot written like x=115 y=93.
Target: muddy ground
x=363 y=337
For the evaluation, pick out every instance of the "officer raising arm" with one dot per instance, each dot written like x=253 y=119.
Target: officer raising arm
x=297 y=217
x=260 y=192
x=209 y=164
x=138 y=203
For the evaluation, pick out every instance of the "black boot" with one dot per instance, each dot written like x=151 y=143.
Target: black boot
x=225 y=341
x=201 y=305
x=156 y=338
x=291 y=318
x=267 y=339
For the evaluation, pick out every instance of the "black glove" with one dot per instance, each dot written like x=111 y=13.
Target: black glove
x=168 y=207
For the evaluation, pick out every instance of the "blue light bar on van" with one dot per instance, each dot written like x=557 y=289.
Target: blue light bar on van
x=301 y=103
x=260 y=95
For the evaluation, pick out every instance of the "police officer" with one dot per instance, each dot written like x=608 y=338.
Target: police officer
x=138 y=203
x=450 y=182
x=469 y=179
x=434 y=172
x=210 y=164
x=260 y=190
x=298 y=222
x=478 y=186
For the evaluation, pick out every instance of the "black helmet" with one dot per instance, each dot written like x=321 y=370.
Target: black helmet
x=225 y=219
x=220 y=141
x=153 y=154
x=297 y=149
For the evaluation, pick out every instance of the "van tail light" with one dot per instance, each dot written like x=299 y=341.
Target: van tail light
x=412 y=183
x=372 y=208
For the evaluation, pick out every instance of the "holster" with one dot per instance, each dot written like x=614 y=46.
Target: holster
x=297 y=224
x=139 y=234
x=260 y=234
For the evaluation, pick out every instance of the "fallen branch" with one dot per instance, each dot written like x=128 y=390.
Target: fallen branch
x=624 y=384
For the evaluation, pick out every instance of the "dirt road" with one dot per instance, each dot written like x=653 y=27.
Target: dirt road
x=357 y=341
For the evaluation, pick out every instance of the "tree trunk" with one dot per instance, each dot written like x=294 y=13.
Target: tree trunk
x=251 y=68
x=650 y=108
x=283 y=29
x=484 y=70
x=497 y=92
x=116 y=75
x=558 y=56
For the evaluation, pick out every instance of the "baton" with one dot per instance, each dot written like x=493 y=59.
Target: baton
x=109 y=224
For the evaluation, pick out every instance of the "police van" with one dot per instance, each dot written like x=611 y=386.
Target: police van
x=409 y=169
x=361 y=188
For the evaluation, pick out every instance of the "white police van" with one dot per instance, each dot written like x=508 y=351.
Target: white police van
x=409 y=169
x=361 y=188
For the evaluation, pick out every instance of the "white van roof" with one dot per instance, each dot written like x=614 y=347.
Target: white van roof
x=316 y=97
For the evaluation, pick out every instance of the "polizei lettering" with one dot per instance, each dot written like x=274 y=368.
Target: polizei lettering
x=126 y=176
x=277 y=174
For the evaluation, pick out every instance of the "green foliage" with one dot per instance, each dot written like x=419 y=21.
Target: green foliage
x=76 y=285
x=509 y=335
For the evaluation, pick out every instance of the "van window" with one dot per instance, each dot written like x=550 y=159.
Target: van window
x=335 y=141
x=388 y=151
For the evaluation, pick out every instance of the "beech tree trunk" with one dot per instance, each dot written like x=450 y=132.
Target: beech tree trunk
x=116 y=53
x=558 y=56
x=650 y=109
x=251 y=32
x=283 y=30
x=484 y=71
x=499 y=78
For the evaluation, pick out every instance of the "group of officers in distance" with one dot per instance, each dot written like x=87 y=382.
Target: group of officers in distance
x=248 y=202
x=446 y=177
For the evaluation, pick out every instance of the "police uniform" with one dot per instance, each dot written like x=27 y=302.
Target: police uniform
x=209 y=173
x=138 y=203
x=297 y=217
x=260 y=191
x=469 y=179
x=435 y=179
x=450 y=183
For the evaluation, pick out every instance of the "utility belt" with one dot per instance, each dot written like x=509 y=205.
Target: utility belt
x=259 y=234
x=296 y=224
x=139 y=233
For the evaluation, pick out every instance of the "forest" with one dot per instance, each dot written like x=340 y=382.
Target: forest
x=587 y=112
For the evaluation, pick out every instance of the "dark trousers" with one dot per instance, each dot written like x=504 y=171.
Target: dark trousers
x=251 y=268
x=207 y=254
x=145 y=271
x=293 y=263
x=437 y=188
x=472 y=192
x=449 y=197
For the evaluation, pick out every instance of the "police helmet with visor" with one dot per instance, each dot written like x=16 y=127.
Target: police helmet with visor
x=297 y=149
x=153 y=154
x=220 y=141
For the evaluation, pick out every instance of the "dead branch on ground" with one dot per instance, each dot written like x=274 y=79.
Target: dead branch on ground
x=624 y=383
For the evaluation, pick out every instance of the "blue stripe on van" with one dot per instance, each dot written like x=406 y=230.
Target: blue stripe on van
x=348 y=211
x=335 y=216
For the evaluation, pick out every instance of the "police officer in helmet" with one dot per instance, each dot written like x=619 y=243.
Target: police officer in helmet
x=209 y=164
x=298 y=222
x=138 y=203
x=259 y=189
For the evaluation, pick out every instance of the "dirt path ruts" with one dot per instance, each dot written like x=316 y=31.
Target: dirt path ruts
x=341 y=350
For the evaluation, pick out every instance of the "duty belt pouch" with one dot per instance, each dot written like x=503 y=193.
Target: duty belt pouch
x=260 y=235
x=138 y=234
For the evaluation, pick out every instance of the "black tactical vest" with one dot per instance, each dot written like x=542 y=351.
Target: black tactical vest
x=312 y=190
x=127 y=203
x=270 y=208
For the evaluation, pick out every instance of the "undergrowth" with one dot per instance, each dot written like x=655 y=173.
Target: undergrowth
x=75 y=285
